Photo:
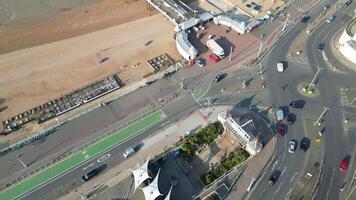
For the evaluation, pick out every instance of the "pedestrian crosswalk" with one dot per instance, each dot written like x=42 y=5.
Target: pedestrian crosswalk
x=302 y=60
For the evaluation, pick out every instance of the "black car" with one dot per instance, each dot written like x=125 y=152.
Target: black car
x=297 y=104
x=291 y=118
x=219 y=77
x=321 y=46
x=305 y=19
x=86 y=177
x=274 y=177
x=304 y=145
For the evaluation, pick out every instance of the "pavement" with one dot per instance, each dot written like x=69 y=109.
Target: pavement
x=252 y=172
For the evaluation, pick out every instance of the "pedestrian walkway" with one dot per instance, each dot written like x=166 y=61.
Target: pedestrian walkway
x=255 y=166
x=65 y=166
x=299 y=60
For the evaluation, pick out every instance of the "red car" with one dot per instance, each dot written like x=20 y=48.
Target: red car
x=281 y=130
x=344 y=165
x=214 y=58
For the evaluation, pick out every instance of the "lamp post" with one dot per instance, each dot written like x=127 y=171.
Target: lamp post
x=316 y=74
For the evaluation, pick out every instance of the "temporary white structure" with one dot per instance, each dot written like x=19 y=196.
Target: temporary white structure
x=141 y=174
x=151 y=191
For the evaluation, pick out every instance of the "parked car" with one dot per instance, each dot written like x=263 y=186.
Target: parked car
x=281 y=129
x=248 y=5
x=279 y=114
x=274 y=177
x=199 y=62
x=330 y=19
x=86 y=177
x=292 y=146
x=214 y=58
x=129 y=151
x=219 y=77
x=291 y=118
x=344 y=164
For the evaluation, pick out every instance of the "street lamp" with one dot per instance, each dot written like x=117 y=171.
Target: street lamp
x=313 y=80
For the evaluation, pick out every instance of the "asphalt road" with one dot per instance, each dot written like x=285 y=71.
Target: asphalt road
x=338 y=141
x=181 y=107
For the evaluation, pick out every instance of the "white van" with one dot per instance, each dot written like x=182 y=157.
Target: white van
x=330 y=19
x=129 y=151
x=280 y=67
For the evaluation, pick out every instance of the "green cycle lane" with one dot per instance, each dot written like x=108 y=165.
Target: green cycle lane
x=76 y=159
x=201 y=92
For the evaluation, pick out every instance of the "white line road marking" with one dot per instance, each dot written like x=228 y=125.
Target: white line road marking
x=331 y=181
x=165 y=123
x=284 y=169
x=296 y=173
x=274 y=165
x=85 y=168
x=284 y=156
x=280 y=185
x=103 y=158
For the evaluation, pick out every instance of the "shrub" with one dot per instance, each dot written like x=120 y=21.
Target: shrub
x=235 y=158
x=204 y=136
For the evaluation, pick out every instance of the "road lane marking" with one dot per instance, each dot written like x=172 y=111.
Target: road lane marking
x=296 y=173
x=85 y=168
x=165 y=123
x=274 y=165
x=103 y=158
x=279 y=187
x=284 y=169
x=331 y=181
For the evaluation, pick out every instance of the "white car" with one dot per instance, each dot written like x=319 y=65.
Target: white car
x=292 y=146
x=330 y=19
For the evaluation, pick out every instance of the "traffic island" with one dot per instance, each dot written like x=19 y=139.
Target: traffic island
x=305 y=90
x=308 y=183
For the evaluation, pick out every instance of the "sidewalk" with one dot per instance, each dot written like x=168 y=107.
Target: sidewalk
x=153 y=146
x=253 y=170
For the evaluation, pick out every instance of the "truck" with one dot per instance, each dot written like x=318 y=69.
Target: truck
x=215 y=48
x=280 y=67
x=279 y=114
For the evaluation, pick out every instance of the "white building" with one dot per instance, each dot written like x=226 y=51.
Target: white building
x=243 y=133
x=184 y=47
x=347 y=42
x=238 y=26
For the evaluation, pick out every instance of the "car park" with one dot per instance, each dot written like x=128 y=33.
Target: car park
x=274 y=177
x=290 y=118
x=344 y=164
x=219 y=77
x=292 y=146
